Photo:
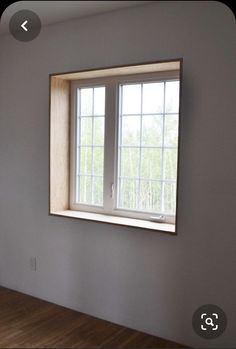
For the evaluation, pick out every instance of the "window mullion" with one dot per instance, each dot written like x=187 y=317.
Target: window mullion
x=92 y=155
x=162 y=151
x=140 y=149
x=109 y=147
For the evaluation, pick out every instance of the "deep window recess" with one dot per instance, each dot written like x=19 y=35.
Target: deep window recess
x=124 y=146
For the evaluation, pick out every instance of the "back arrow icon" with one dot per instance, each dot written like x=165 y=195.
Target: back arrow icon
x=23 y=26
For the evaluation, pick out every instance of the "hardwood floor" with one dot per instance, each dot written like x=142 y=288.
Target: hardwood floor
x=28 y=322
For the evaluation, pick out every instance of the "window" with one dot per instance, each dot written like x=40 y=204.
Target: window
x=147 y=149
x=121 y=129
x=144 y=164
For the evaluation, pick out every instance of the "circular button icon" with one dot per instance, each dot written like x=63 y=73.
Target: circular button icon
x=25 y=25
x=209 y=321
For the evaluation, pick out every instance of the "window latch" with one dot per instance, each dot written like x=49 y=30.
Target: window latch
x=112 y=190
x=160 y=219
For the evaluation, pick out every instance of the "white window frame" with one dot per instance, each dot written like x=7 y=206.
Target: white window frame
x=111 y=130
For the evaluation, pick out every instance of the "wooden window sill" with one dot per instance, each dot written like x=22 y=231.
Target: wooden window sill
x=129 y=222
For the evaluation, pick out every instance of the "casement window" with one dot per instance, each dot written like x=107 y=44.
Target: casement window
x=127 y=165
x=123 y=146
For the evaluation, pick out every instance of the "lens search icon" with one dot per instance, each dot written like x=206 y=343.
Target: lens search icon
x=209 y=321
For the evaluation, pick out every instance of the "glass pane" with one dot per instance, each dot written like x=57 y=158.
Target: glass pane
x=129 y=162
x=130 y=130
x=131 y=99
x=86 y=95
x=153 y=97
x=169 y=203
x=98 y=131
x=172 y=97
x=171 y=130
x=170 y=164
x=151 y=163
x=85 y=193
x=152 y=130
x=128 y=194
x=97 y=191
x=98 y=154
x=150 y=196
x=85 y=160
x=85 y=131
x=99 y=101
x=90 y=139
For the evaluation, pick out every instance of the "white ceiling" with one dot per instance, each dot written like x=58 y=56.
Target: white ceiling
x=60 y=11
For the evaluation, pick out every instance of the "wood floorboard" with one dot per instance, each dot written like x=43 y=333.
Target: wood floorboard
x=28 y=322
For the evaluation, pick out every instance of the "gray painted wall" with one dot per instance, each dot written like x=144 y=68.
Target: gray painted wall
x=145 y=280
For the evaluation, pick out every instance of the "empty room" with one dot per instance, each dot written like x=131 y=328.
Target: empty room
x=117 y=174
